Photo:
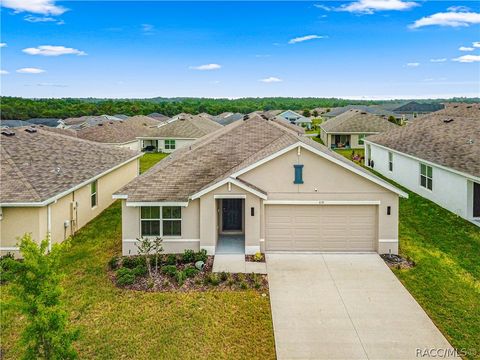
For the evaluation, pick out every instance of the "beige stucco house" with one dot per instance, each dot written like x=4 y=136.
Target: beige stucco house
x=258 y=185
x=55 y=184
x=181 y=130
x=349 y=129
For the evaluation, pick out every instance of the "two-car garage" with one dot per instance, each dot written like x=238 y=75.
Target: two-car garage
x=320 y=227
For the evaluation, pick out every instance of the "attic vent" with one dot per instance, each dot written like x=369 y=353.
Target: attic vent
x=7 y=132
x=446 y=121
x=264 y=116
x=470 y=141
x=246 y=117
x=100 y=124
x=363 y=113
x=469 y=106
x=31 y=130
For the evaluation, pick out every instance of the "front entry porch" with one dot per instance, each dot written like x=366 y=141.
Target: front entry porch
x=230 y=244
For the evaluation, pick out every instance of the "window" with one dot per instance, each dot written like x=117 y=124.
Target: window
x=390 y=161
x=161 y=221
x=298 y=174
x=93 y=193
x=169 y=144
x=361 y=137
x=426 y=176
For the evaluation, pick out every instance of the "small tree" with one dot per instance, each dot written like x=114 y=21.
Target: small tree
x=157 y=251
x=315 y=113
x=37 y=291
x=306 y=113
x=145 y=247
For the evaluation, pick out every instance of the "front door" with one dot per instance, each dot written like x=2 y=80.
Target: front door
x=476 y=200
x=232 y=215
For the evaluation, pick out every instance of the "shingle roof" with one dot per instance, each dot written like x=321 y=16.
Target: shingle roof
x=414 y=106
x=37 y=166
x=184 y=126
x=356 y=121
x=82 y=119
x=13 y=123
x=228 y=118
x=158 y=116
x=215 y=157
x=376 y=110
x=454 y=144
x=52 y=122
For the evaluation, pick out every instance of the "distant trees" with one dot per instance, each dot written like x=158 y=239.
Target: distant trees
x=315 y=113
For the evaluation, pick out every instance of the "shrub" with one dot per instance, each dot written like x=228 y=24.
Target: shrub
x=180 y=277
x=7 y=263
x=132 y=262
x=230 y=280
x=240 y=277
x=113 y=263
x=169 y=270
x=126 y=279
x=190 y=272
x=258 y=256
x=213 y=279
x=171 y=259
x=223 y=276
x=201 y=256
x=188 y=256
x=243 y=285
x=140 y=270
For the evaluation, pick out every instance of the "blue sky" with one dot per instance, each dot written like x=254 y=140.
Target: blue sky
x=357 y=49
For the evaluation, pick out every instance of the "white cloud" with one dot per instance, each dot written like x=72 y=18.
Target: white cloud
x=30 y=71
x=271 y=79
x=45 y=7
x=476 y=44
x=3 y=45
x=36 y=19
x=50 y=50
x=413 y=64
x=467 y=58
x=458 y=8
x=51 y=85
x=4 y=72
x=465 y=48
x=305 y=38
x=323 y=7
x=206 y=67
x=452 y=18
x=148 y=29
x=440 y=60
x=371 y=6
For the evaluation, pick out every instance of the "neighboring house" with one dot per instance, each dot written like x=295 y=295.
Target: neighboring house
x=158 y=116
x=13 y=123
x=349 y=129
x=260 y=186
x=50 y=122
x=295 y=118
x=415 y=108
x=375 y=110
x=55 y=184
x=180 y=131
x=228 y=119
x=85 y=121
x=121 y=116
x=437 y=157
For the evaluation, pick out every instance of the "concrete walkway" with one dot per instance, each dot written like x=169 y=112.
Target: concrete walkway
x=235 y=263
x=345 y=306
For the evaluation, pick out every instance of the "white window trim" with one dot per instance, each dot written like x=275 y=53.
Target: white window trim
x=426 y=176
x=169 y=146
x=160 y=220
x=94 y=194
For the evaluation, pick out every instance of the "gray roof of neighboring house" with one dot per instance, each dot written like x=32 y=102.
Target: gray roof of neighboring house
x=52 y=122
x=301 y=119
x=121 y=116
x=376 y=110
x=454 y=144
x=216 y=157
x=37 y=166
x=158 y=116
x=184 y=126
x=13 y=123
x=356 y=121
x=88 y=120
x=413 y=107
x=228 y=119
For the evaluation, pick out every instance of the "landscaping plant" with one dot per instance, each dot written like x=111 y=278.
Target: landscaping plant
x=145 y=247
x=37 y=293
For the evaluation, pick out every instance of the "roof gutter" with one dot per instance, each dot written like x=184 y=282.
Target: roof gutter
x=66 y=192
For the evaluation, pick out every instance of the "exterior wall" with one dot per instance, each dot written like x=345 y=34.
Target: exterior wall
x=18 y=221
x=190 y=238
x=179 y=143
x=450 y=190
x=324 y=180
x=132 y=145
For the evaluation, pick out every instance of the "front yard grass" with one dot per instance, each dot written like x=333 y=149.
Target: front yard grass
x=150 y=159
x=117 y=323
x=446 y=278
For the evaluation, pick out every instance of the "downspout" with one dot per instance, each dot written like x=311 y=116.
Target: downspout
x=49 y=228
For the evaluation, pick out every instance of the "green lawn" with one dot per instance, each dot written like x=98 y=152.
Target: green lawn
x=116 y=323
x=446 y=278
x=150 y=159
x=348 y=153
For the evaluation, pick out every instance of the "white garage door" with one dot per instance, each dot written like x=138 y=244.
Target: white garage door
x=320 y=228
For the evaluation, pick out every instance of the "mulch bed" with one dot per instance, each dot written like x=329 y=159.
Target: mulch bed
x=251 y=258
x=203 y=281
x=397 y=262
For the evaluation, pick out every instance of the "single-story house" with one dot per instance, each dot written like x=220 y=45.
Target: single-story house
x=295 y=118
x=414 y=108
x=349 y=129
x=372 y=109
x=256 y=185
x=85 y=121
x=180 y=131
x=44 y=191
x=13 y=123
x=50 y=122
x=437 y=158
x=159 y=117
x=225 y=119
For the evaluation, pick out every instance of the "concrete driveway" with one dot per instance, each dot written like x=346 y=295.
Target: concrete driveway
x=345 y=306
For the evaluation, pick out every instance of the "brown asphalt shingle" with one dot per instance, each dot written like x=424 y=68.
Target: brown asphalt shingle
x=214 y=158
x=185 y=126
x=37 y=166
x=357 y=121
x=454 y=144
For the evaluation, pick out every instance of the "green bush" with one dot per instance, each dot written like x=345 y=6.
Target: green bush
x=180 y=277
x=188 y=256
x=201 y=256
x=7 y=263
x=171 y=259
x=170 y=270
x=140 y=270
x=132 y=262
x=190 y=272
x=223 y=276
x=113 y=263
x=258 y=256
x=243 y=285
x=125 y=276
x=213 y=279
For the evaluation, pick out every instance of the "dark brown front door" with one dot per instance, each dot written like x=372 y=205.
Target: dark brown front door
x=476 y=200
x=232 y=215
